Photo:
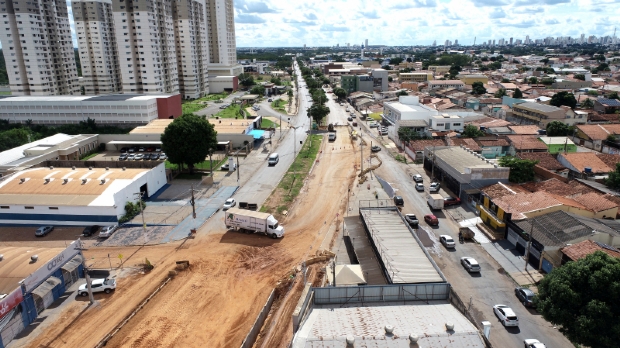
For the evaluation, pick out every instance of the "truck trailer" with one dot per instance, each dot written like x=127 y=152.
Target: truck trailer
x=435 y=201
x=249 y=221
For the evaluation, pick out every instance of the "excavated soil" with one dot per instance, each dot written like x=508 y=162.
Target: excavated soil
x=215 y=301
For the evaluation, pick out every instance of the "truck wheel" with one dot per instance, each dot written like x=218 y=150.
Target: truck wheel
x=107 y=291
x=248 y=232
x=274 y=236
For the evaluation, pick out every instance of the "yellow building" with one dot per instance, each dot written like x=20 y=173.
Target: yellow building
x=470 y=79
x=415 y=77
x=439 y=69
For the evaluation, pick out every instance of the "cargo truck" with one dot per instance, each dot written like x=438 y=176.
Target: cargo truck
x=253 y=222
x=435 y=201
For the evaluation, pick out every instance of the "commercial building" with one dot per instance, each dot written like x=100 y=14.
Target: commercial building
x=540 y=114
x=37 y=47
x=407 y=108
x=106 y=109
x=415 y=77
x=470 y=79
x=31 y=279
x=75 y=196
x=442 y=84
x=96 y=36
x=219 y=84
x=222 y=40
x=377 y=81
x=439 y=69
x=447 y=122
x=145 y=36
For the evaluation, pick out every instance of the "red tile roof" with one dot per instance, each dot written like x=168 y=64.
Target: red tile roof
x=526 y=142
x=595 y=202
x=531 y=130
x=581 y=160
x=500 y=190
x=587 y=247
x=419 y=145
x=467 y=142
x=497 y=142
x=545 y=159
x=522 y=203
x=609 y=159
x=594 y=131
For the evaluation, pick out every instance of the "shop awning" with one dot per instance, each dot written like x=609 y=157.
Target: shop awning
x=72 y=264
x=46 y=287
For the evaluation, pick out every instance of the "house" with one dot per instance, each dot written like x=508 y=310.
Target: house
x=525 y=143
x=494 y=147
x=583 y=164
x=591 y=136
x=547 y=167
x=582 y=249
x=467 y=143
x=606 y=106
x=558 y=144
x=439 y=69
x=447 y=122
x=470 y=79
x=415 y=148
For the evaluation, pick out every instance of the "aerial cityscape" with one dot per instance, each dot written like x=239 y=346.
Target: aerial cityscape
x=236 y=173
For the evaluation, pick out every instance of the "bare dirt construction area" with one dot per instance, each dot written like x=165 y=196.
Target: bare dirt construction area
x=215 y=301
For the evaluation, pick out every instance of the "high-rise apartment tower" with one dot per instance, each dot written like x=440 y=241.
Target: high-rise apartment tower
x=222 y=42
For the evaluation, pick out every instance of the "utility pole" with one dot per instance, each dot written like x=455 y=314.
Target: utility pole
x=142 y=213
x=529 y=245
x=193 y=202
x=433 y=165
x=361 y=154
x=88 y=281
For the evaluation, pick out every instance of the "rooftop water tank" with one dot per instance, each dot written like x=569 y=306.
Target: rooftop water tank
x=587 y=170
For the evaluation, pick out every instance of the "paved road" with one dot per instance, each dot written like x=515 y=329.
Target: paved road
x=491 y=287
x=214 y=108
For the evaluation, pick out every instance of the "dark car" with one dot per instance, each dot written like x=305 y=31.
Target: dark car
x=132 y=149
x=124 y=149
x=349 y=119
x=398 y=201
x=412 y=220
x=526 y=296
x=154 y=156
x=90 y=230
x=431 y=220
x=375 y=148
x=451 y=201
x=122 y=157
x=150 y=149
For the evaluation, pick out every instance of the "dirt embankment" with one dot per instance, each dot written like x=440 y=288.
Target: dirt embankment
x=215 y=301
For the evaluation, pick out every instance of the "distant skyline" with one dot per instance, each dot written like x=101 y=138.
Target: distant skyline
x=271 y=23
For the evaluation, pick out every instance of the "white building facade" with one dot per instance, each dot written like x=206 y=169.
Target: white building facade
x=37 y=46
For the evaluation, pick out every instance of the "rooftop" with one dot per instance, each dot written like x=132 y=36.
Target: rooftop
x=468 y=143
x=609 y=159
x=556 y=140
x=525 y=130
x=17 y=265
x=222 y=126
x=608 y=102
x=555 y=229
x=595 y=202
x=538 y=107
x=521 y=203
x=557 y=187
x=587 y=247
x=582 y=160
x=593 y=131
x=413 y=123
x=526 y=142
x=79 y=98
x=17 y=153
x=328 y=326
x=419 y=145
x=409 y=107
x=496 y=142
x=500 y=190
x=459 y=159
x=446 y=82
x=401 y=252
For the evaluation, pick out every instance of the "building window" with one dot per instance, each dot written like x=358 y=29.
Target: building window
x=53 y=208
x=456 y=124
x=440 y=125
x=28 y=207
x=5 y=207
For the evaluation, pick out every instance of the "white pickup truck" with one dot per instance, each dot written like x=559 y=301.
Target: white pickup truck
x=98 y=285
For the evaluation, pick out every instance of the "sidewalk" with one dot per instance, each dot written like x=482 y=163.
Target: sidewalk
x=512 y=262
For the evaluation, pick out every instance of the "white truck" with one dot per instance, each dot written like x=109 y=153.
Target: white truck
x=435 y=201
x=249 y=221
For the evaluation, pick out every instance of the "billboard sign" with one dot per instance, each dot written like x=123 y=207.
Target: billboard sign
x=10 y=302
x=36 y=278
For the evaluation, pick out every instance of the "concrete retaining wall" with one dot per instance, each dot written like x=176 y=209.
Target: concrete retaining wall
x=250 y=339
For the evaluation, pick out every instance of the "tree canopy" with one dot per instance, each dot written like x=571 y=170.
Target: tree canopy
x=188 y=140
x=471 y=131
x=500 y=93
x=403 y=93
x=583 y=299
x=517 y=93
x=340 y=93
x=558 y=129
x=588 y=104
x=318 y=112
x=259 y=89
x=613 y=180
x=406 y=134
x=478 y=88
x=564 y=98
x=521 y=170
x=246 y=80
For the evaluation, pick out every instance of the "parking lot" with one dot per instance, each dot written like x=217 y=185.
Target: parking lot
x=133 y=153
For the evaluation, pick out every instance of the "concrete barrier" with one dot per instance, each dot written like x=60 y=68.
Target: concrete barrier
x=250 y=339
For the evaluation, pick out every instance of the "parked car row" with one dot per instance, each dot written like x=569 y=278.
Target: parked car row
x=88 y=231
x=132 y=149
x=142 y=157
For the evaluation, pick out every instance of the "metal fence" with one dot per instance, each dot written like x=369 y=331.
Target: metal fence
x=381 y=293
x=377 y=203
x=456 y=301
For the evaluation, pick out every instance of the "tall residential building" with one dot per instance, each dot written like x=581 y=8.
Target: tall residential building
x=222 y=42
x=94 y=27
x=192 y=47
x=37 y=47
x=146 y=46
x=366 y=43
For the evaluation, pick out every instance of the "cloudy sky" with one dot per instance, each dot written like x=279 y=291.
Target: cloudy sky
x=269 y=23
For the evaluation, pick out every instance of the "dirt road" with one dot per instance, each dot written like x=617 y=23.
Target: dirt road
x=216 y=300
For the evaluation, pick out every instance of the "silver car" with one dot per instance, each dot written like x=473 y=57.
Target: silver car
x=470 y=264
x=107 y=231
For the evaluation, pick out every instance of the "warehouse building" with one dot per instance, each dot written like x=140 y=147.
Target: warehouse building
x=75 y=196
x=119 y=109
x=31 y=279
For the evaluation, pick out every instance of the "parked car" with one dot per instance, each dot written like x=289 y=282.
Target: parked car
x=107 y=231
x=419 y=186
x=431 y=220
x=124 y=149
x=229 y=204
x=533 y=343
x=349 y=119
x=146 y=157
x=150 y=149
x=132 y=149
x=158 y=149
x=398 y=201
x=412 y=220
x=418 y=178
x=270 y=100
x=154 y=156
x=506 y=315
x=375 y=148
x=447 y=241
x=43 y=230
x=138 y=157
x=383 y=132
x=451 y=201
x=373 y=125
x=433 y=187
x=141 y=149
x=227 y=166
x=526 y=296
x=163 y=157
x=123 y=157
x=470 y=264
x=354 y=124
x=90 y=230
x=131 y=157
x=98 y=285
x=224 y=106
x=353 y=115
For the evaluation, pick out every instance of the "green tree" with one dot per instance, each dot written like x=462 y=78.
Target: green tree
x=505 y=80
x=386 y=67
x=454 y=70
x=558 y=129
x=500 y=93
x=318 y=112
x=517 y=93
x=340 y=93
x=478 y=88
x=276 y=81
x=471 y=131
x=564 y=98
x=401 y=93
x=582 y=298
x=14 y=138
x=520 y=170
x=547 y=81
x=390 y=79
x=246 y=80
x=533 y=80
x=260 y=90
x=588 y=104
x=581 y=77
x=188 y=140
x=406 y=134
x=613 y=95
x=396 y=61
x=613 y=180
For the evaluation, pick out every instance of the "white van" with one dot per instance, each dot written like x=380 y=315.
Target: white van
x=274 y=158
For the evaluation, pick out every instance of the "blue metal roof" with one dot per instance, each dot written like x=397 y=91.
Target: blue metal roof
x=257 y=133
x=609 y=102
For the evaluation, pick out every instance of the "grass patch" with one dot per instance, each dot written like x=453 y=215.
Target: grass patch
x=191 y=106
x=279 y=105
x=230 y=112
x=5 y=93
x=89 y=156
x=376 y=116
x=206 y=165
x=265 y=123
x=289 y=187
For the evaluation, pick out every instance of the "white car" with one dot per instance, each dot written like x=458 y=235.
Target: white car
x=418 y=178
x=229 y=204
x=434 y=187
x=533 y=343
x=506 y=315
x=98 y=285
x=470 y=264
x=447 y=241
x=419 y=186
x=139 y=157
x=107 y=231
